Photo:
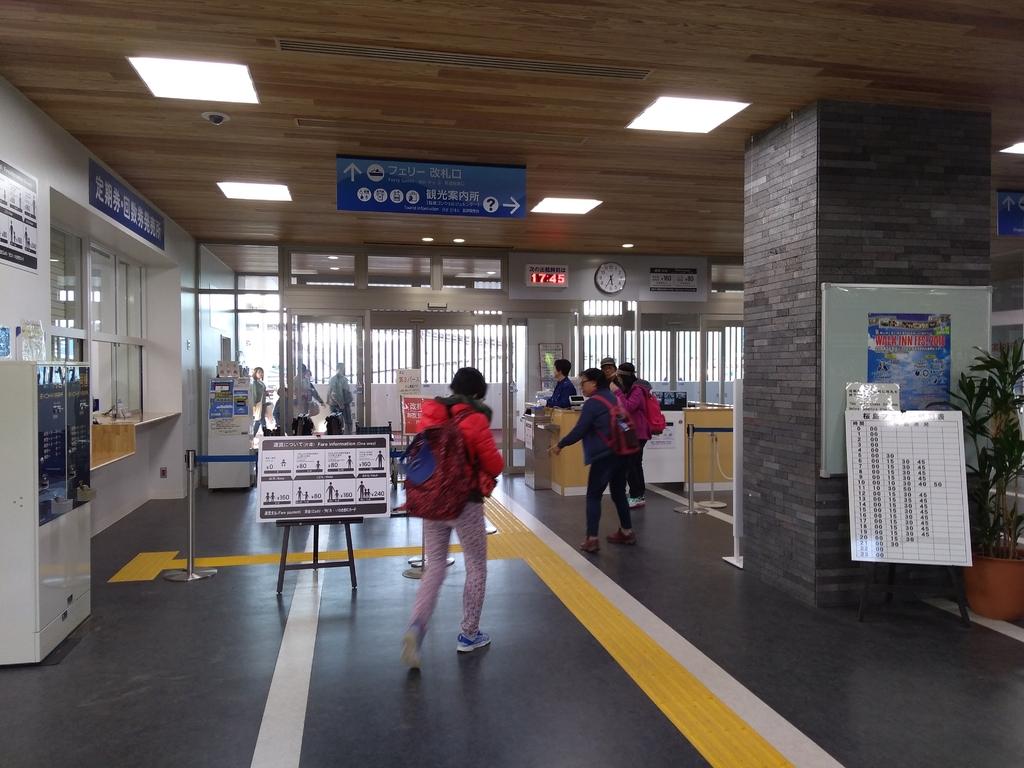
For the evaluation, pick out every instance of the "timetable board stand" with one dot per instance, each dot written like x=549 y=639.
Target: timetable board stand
x=908 y=499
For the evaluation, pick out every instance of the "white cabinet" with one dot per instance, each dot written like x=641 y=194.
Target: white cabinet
x=45 y=532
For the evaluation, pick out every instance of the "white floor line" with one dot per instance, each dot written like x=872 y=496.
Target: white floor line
x=1002 y=627
x=279 y=744
x=725 y=518
x=779 y=732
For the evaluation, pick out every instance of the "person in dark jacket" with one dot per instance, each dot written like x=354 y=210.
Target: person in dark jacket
x=564 y=388
x=468 y=390
x=606 y=467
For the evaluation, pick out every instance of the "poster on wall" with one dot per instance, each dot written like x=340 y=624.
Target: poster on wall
x=913 y=351
x=548 y=354
x=673 y=279
x=410 y=381
x=19 y=225
x=302 y=478
x=412 y=410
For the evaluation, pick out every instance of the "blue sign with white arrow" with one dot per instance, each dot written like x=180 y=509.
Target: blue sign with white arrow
x=371 y=185
x=1010 y=213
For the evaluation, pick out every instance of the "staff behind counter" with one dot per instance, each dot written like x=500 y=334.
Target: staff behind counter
x=564 y=388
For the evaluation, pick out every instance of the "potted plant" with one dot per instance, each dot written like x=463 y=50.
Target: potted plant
x=990 y=399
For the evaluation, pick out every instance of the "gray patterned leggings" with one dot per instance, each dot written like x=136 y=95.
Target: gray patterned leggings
x=472 y=535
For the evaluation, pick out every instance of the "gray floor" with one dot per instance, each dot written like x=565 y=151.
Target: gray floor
x=909 y=686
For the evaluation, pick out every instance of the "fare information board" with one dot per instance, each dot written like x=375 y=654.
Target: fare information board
x=908 y=487
x=304 y=478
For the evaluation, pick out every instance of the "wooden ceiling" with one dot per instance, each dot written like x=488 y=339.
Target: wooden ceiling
x=668 y=193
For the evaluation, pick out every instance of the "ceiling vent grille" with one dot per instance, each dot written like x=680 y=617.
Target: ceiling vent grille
x=448 y=59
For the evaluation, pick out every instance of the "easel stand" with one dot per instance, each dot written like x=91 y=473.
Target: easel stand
x=871 y=586
x=350 y=563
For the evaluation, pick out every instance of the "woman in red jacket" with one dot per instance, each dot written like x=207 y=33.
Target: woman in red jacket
x=485 y=464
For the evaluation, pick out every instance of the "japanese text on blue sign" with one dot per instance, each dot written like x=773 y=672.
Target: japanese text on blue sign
x=1010 y=213
x=113 y=198
x=438 y=189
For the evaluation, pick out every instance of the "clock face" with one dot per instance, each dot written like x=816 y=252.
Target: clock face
x=610 y=277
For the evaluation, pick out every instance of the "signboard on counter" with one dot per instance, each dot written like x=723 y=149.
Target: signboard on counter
x=110 y=196
x=19 y=227
x=382 y=185
x=330 y=477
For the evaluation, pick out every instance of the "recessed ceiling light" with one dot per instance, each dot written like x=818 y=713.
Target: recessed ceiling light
x=574 y=205
x=332 y=258
x=627 y=245
x=492 y=273
x=427 y=239
x=335 y=268
x=240 y=190
x=669 y=113
x=458 y=240
x=1016 y=149
x=198 y=80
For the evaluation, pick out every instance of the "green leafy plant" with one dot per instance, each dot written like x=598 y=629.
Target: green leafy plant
x=991 y=401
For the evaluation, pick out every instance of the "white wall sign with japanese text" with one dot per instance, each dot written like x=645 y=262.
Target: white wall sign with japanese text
x=335 y=476
x=410 y=382
x=19 y=228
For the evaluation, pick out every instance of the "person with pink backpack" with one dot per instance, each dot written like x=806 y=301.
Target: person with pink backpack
x=633 y=398
x=608 y=440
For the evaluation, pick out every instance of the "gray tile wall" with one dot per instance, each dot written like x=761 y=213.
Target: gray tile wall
x=840 y=192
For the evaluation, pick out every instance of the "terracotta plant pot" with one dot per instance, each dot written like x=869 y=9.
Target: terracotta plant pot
x=995 y=588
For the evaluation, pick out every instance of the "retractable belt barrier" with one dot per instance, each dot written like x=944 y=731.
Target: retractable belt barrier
x=191 y=573
x=692 y=505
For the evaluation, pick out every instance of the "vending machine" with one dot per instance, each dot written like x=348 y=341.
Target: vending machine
x=46 y=519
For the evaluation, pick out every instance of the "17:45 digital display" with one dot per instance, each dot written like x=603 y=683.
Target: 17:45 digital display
x=547 y=275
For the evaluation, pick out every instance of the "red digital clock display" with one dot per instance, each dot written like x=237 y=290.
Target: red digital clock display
x=547 y=278
x=547 y=275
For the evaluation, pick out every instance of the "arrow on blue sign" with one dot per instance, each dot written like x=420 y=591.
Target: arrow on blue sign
x=1010 y=214
x=435 y=189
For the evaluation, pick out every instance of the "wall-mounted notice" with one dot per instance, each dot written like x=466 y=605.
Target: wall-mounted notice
x=108 y=195
x=912 y=350
x=673 y=279
x=440 y=189
x=302 y=478
x=410 y=381
x=548 y=353
x=19 y=226
x=908 y=487
x=547 y=275
x=872 y=397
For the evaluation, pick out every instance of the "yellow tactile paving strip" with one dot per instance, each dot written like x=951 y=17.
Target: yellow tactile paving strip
x=717 y=732
x=709 y=725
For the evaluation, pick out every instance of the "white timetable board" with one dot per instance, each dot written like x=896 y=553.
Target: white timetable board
x=310 y=478
x=908 y=487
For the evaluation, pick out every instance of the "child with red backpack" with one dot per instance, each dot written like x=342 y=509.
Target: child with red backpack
x=452 y=465
x=609 y=438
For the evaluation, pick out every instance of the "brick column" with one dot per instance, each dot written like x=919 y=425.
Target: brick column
x=839 y=193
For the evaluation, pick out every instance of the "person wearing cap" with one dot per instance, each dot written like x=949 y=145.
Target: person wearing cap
x=633 y=399
x=611 y=372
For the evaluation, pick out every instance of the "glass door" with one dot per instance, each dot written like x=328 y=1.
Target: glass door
x=515 y=394
x=320 y=348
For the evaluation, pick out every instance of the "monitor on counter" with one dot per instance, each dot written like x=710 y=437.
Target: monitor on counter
x=576 y=401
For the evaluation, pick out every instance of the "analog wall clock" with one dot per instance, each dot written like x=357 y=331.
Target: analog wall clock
x=610 y=277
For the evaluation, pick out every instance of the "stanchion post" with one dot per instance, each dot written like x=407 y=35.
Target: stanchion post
x=715 y=465
x=191 y=574
x=691 y=505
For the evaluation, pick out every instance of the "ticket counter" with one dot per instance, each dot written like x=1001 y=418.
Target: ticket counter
x=568 y=472
x=705 y=467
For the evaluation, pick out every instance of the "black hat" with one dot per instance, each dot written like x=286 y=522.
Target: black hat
x=628 y=368
x=608 y=361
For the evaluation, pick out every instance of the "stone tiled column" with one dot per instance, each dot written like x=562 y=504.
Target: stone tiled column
x=838 y=193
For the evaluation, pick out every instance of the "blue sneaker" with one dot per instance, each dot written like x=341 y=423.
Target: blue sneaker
x=411 y=642
x=467 y=644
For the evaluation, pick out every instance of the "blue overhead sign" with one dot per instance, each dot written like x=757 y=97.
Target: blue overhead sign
x=109 y=195
x=1010 y=213
x=373 y=185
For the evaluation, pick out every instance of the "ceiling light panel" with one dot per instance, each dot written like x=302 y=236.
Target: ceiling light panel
x=572 y=205
x=1016 y=149
x=238 y=190
x=679 y=115
x=197 y=80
